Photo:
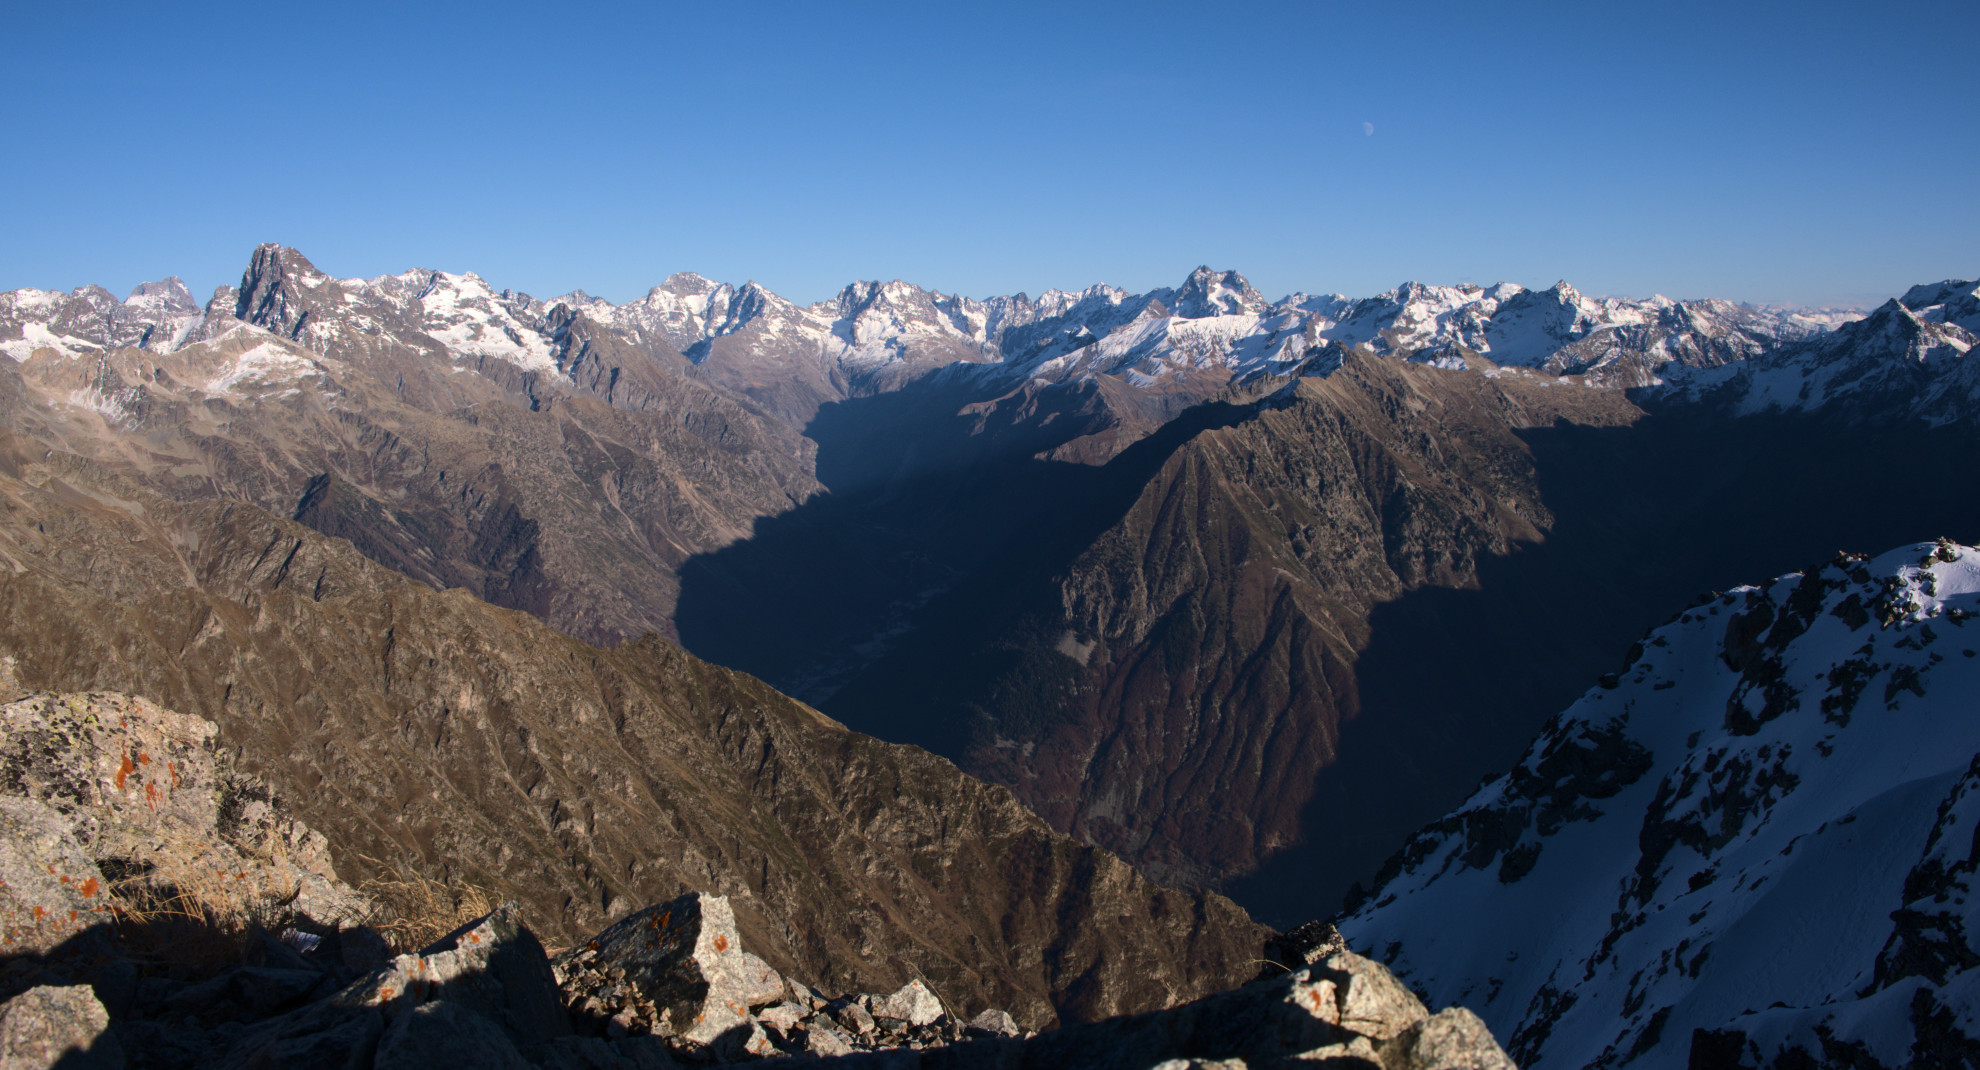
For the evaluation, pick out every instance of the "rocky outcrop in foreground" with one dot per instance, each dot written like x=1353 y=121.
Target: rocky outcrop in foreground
x=488 y=996
x=164 y=911
x=106 y=798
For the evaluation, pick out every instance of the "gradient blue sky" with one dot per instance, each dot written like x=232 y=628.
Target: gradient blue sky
x=1800 y=153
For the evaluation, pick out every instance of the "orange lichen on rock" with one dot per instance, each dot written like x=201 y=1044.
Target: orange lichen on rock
x=124 y=769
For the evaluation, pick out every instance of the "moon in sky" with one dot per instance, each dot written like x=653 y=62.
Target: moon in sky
x=1368 y=129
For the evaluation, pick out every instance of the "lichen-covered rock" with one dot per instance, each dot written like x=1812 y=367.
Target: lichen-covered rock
x=50 y=1026
x=346 y=1045
x=493 y=966
x=684 y=958
x=825 y=1042
x=50 y=889
x=1372 y=1001
x=1453 y=1038
x=1343 y=1011
x=250 y=992
x=994 y=1023
x=491 y=974
x=148 y=792
x=675 y=975
x=913 y=1004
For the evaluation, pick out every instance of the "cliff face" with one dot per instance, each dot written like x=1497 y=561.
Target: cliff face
x=432 y=730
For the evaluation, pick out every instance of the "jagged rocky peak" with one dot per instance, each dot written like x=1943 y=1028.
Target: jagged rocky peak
x=1894 y=364
x=169 y=293
x=1752 y=844
x=1212 y=293
x=275 y=290
x=277 y=261
x=904 y=304
x=689 y=284
x=1896 y=332
x=158 y=316
x=1927 y=294
x=1952 y=301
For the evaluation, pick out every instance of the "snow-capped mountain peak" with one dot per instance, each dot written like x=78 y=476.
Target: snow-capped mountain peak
x=166 y=295
x=1212 y=293
x=1952 y=301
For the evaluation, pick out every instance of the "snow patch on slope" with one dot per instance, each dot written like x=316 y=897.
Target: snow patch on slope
x=1727 y=825
x=260 y=369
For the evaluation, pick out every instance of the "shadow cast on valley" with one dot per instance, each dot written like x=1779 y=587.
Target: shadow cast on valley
x=889 y=601
x=1455 y=682
x=940 y=526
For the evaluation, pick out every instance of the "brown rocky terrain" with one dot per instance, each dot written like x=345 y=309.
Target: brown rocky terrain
x=432 y=731
x=574 y=496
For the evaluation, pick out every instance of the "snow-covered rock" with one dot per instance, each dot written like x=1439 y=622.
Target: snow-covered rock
x=158 y=316
x=1953 y=301
x=1756 y=839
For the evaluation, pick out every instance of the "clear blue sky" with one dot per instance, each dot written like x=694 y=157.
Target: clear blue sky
x=1794 y=152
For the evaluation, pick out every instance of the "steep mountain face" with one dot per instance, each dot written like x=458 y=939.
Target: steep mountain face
x=1954 y=301
x=430 y=731
x=1172 y=690
x=1751 y=847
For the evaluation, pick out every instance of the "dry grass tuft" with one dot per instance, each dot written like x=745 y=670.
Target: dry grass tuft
x=414 y=911
x=189 y=904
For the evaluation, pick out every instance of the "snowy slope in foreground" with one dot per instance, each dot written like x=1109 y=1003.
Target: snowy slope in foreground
x=1763 y=830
